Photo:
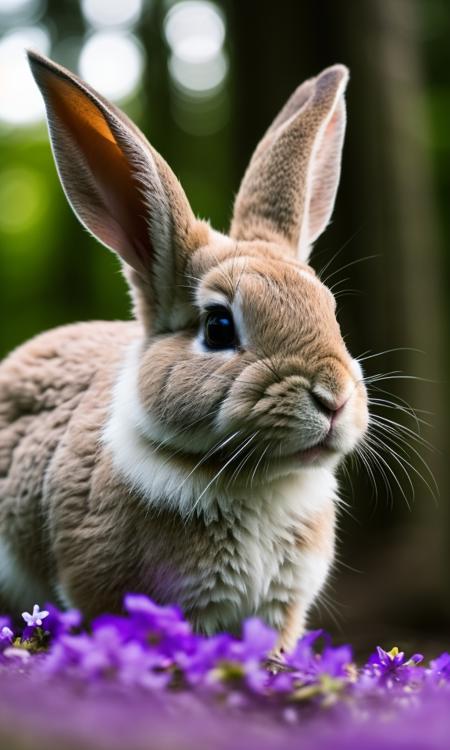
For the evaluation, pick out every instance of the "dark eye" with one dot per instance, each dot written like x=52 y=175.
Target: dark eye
x=219 y=328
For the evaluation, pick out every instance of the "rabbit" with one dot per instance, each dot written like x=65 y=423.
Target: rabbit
x=190 y=454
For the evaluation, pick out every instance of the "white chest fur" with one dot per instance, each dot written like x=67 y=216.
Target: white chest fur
x=257 y=565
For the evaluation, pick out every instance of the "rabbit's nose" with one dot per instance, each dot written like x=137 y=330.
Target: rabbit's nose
x=327 y=403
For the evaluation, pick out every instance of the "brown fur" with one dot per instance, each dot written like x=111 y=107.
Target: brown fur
x=43 y=387
x=71 y=519
x=86 y=433
x=275 y=198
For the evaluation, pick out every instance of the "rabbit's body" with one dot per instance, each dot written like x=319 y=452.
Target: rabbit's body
x=46 y=386
x=190 y=455
x=69 y=513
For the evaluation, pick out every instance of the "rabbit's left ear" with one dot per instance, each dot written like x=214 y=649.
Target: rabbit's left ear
x=288 y=192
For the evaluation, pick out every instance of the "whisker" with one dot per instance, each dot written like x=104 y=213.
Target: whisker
x=347 y=293
x=396 y=375
x=214 y=449
x=383 y=403
x=267 y=362
x=372 y=445
x=158 y=445
x=378 y=418
x=338 y=252
x=338 y=283
x=347 y=475
x=341 y=564
x=197 y=279
x=240 y=466
x=258 y=463
x=367 y=379
x=222 y=469
x=348 y=265
x=361 y=455
x=344 y=507
x=363 y=358
x=386 y=441
x=324 y=600
x=399 y=399
x=386 y=434
x=365 y=454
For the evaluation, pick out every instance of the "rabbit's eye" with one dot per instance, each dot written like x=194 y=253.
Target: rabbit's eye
x=219 y=328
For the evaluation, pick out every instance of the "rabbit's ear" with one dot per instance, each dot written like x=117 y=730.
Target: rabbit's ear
x=118 y=185
x=288 y=192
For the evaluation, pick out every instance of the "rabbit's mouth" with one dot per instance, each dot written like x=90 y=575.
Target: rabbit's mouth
x=311 y=455
x=333 y=446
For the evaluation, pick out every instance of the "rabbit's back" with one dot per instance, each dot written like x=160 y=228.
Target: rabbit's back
x=42 y=385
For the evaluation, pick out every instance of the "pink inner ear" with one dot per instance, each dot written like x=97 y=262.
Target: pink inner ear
x=106 y=197
x=122 y=224
x=325 y=172
x=331 y=124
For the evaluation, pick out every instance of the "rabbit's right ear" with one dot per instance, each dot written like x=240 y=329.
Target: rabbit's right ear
x=118 y=185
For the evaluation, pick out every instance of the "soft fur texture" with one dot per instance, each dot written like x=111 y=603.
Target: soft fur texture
x=135 y=458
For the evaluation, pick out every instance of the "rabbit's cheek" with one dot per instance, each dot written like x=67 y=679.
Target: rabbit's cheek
x=175 y=389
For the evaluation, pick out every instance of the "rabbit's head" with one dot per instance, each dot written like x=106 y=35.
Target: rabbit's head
x=241 y=361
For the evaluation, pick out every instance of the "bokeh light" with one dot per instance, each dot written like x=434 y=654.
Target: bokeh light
x=195 y=30
x=112 y=62
x=200 y=78
x=112 y=12
x=198 y=65
x=17 y=7
x=20 y=100
x=203 y=117
x=22 y=199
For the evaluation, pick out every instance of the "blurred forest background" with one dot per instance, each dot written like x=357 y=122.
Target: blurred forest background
x=203 y=80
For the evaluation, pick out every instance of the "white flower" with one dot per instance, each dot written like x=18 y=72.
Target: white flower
x=36 y=616
x=7 y=633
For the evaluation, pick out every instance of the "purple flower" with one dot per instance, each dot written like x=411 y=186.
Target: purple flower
x=162 y=627
x=258 y=640
x=440 y=667
x=386 y=661
x=309 y=664
x=202 y=657
x=222 y=662
x=142 y=609
x=148 y=664
x=303 y=656
x=392 y=666
x=389 y=661
x=334 y=661
x=58 y=622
